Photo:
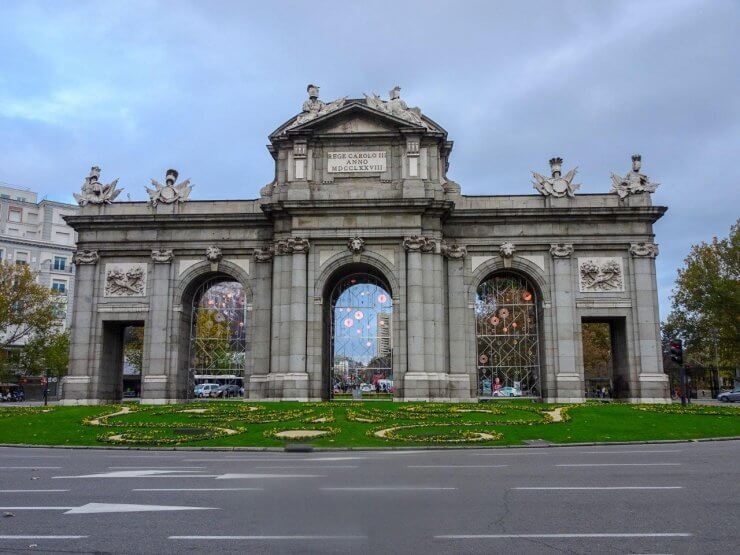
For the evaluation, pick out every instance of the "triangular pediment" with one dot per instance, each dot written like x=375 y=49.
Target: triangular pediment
x=354 y=117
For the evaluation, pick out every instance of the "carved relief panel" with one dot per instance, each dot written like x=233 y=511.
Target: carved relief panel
x=125 y=279
x=601 y=274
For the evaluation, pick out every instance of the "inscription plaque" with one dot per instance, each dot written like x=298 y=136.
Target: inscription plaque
x=366 y=161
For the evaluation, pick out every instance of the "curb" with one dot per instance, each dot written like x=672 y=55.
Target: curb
x=376 y=449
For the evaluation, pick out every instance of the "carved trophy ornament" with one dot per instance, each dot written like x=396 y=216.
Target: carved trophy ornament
x=163 y=256
x=634 y=182
x=453 y=250
x=94 y=192
x=356 y=245
x=125 y=280
x=395 y=106
x=556 y=186
x=314 y=107
x=644 y=249
x=169 y=193
x=601 y=274
x=85 y=257
x=561 y=250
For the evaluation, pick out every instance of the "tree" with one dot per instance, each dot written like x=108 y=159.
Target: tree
x=46 y=353
x=706 y=303
x=26 y=307
x=597 y=348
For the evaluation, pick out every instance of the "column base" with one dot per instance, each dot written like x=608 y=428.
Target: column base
x=288 y=386
x=257 y=388
x=154 y=390
x=569 y=388
x=654 y=388
x=76 y=391
x=425 y=386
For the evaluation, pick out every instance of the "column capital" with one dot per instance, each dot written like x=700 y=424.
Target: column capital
x=416 y=243
x=649 y=250
x=561 y=250
x=162 y=256
x=453 y=250
x=264 y=254
x=292 y=245
x=85 y=257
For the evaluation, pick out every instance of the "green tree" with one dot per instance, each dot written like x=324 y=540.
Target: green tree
x=26 y=308
x=597 y=349
x=706 y=303
x=46 y=352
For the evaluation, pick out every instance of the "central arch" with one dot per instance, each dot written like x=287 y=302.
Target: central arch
x=358 y=333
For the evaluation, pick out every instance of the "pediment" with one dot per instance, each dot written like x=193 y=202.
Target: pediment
x=355 y=117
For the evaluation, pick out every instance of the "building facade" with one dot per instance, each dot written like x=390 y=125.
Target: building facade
x=363 y=267
x=34 y=233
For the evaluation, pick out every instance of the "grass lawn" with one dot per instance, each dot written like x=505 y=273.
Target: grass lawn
x=358 y=424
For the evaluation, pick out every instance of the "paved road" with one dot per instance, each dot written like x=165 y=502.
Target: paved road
x=671 y=498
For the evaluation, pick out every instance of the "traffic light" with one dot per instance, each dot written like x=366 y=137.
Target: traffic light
x=676 y=347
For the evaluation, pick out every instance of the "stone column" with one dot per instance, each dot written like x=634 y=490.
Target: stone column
x=77 y=385
x=274 y=388
x=156 y=373
x=261 y=322
x=569 y=379
x=653 y=382
x=295 y=385
x=415 y=383
x=457 y=307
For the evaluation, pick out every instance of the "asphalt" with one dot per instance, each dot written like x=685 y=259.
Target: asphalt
x=669 y=498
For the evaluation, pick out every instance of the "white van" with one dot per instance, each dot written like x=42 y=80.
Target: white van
x=205 y=389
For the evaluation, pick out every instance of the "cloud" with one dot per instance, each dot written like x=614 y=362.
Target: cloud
x=140 y=86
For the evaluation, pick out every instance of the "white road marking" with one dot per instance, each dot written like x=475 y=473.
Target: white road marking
x=33 y=490
x=95 y=508
x=138 y=474
x=579 y=488
x=515 y=453
x=43 y=537
x=387 y=488
x=156 y=467
x=564 y=536
x=621 y=464
x=34 y=457
x=47 y=508
x=636 y=451
x=267 y=538
x=458 y=466
x=261 y=476
x=30 y=467
x=199 y=489
x=274 y=459
x=294 y=467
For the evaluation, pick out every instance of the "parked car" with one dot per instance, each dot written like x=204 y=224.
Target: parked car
x=729 y=396
x=205 y=389
x=227 y=391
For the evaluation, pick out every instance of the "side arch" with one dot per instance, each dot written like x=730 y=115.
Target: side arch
x=187 y=287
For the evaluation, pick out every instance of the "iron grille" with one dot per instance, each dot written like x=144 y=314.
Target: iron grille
x=218 y=333
x=361 y=346
x=508 y=337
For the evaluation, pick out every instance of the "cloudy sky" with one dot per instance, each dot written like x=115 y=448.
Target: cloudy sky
x=138 y=87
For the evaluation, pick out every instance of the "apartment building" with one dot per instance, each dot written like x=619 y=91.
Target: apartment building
x=34 y=232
